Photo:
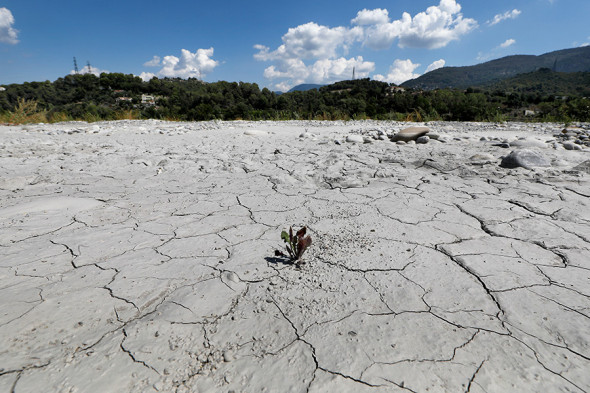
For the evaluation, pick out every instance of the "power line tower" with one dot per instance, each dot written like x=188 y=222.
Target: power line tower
x=89 y=67
x=75 y=66
x=353 y=71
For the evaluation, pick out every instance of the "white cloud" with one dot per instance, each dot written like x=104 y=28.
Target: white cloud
x=371 y=17
x=434 y=28
x=92 y=70
x=585 y=44
x=316 y=53
x=189 y=65
x=295 y=71
x=147 y=76
x=399 y=72
x=156 y=61
x=311 y=41
x=8 y=34
x=436 y=65
x=507 y=43
x=506 y=15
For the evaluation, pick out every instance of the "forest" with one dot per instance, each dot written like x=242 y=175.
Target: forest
x=113 y=96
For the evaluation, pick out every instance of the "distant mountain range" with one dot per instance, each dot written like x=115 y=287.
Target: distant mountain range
x=304 y=87
x=544 y=82
x=566 y=60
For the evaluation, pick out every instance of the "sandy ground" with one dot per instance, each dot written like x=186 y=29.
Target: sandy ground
x=139 y=257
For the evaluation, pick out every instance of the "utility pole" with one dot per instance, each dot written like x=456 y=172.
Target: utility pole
x=75 y=66
x=353 y=71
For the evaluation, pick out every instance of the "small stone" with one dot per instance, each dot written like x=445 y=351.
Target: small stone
x=400 y=142
x=482 y=158
x=423 y=140
x=228 y=356
x=502 y=145
x=571 y=146
x=254 y=132
x=355 y=139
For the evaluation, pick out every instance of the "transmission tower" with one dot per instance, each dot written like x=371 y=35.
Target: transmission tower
x=75 y=66
x=89 y=68
x=353 y=71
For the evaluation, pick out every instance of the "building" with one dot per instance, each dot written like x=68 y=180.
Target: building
x=148 y=100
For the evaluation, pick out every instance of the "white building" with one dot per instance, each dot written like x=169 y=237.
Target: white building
x=148 y=100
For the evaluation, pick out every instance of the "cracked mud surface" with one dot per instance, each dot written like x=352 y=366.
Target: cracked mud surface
x=139 y=257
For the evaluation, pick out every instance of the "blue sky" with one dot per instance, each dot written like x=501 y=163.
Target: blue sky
x=278 y=44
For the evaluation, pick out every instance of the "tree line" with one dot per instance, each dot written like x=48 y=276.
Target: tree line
x=116 y=96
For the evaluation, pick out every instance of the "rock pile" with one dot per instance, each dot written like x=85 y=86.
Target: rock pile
x=574 y=138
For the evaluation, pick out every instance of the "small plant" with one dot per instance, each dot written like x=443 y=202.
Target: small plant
x=296 y=243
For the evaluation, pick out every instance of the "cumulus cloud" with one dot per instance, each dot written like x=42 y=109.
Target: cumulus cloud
x=436 y=65
x=399 y=72
x=507 y=43
x=188 y=65
x=311 y=41
x=506 y=15
x=156 y=61
x=295 y=71
x=147 y=76
x=316 y=53
x=434 y=28
x=371 y=17
x=8 y=34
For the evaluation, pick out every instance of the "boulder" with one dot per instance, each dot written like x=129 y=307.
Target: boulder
x=524 y=158
x=410 y=134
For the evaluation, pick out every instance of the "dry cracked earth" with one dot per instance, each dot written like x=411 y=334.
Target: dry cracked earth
x=139 y=257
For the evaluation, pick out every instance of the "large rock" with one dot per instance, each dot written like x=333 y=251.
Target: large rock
x=524 y=158
x=410 y=134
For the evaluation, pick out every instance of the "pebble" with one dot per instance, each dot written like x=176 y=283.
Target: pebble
x=571 y=146
x=355 y=139
x=423 y=139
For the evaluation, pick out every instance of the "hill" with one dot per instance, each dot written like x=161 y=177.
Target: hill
x=545 y=82
x=566 y=60
x=304 y=87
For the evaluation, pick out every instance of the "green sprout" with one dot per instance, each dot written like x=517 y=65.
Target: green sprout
x=296 y=244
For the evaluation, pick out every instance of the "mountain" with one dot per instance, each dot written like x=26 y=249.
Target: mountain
x=566 y=60
x=304 y=87
x=544 y=82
